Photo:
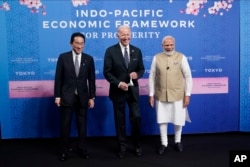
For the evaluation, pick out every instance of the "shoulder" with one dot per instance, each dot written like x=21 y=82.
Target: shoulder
x=159 y=54
x=113 y=50
x=87 y=56
x=133 y=47
x=180 y=56
x=65 y=55
x=179 y=53
x=112 y=47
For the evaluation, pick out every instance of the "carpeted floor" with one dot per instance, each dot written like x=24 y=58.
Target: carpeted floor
x=202 y=150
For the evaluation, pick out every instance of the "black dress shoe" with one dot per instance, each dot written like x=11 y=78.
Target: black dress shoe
x=162 y=149
x=179 y=147
x=138 y=151
x=63 y=157
x=121 y=153
x=83 y=154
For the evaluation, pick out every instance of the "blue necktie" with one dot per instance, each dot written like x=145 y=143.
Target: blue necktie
x=126 y=59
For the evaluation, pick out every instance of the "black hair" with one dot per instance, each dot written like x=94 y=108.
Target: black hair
x=76 y=34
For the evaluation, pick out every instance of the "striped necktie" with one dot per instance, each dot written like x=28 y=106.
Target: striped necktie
x=126 y=59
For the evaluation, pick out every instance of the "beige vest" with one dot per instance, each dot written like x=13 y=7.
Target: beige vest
x=169 y=81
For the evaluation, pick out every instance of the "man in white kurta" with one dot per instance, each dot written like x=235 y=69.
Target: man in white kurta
x=170 y=86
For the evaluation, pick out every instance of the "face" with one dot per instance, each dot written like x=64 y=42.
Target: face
x=168 y=45
x=78 y=44
x=124 y=36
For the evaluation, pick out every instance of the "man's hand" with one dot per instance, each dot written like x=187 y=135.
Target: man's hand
x=123 y=86
x=151 y=101
x=91 y=103
x=186 y=101
x=133 y=75
x=58 y=102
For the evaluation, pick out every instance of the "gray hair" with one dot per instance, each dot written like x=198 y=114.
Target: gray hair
x=168 y=37
x=122 y=27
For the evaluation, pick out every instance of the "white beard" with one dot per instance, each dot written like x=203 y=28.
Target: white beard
x=170 y=53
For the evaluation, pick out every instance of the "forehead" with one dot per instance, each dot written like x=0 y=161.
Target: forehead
x=124 y=30
x=169 y=41
x=78 y=39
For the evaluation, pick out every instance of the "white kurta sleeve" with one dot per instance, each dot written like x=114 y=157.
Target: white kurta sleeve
x=187 y=76
x=151 y=80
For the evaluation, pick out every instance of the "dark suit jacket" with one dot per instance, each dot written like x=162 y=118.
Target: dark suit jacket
x=66 y=80
x=115 y=70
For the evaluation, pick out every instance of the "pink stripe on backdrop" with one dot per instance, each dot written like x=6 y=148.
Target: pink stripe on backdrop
x=29 y=89
x=217 y=85
x=200 y=86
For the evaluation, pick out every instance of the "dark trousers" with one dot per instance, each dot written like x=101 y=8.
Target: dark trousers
x=66 y=121
x=120 y=122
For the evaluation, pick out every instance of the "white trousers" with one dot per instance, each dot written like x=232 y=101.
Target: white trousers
x=164 y=133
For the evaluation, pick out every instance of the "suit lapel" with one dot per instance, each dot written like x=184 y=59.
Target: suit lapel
x=82 y=64
x=132 y=55
x=71 y=62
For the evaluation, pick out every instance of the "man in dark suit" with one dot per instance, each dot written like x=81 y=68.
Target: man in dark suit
x=120 y=70
x=74 y=90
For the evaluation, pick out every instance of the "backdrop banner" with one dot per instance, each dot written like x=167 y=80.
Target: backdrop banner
x=34 y=33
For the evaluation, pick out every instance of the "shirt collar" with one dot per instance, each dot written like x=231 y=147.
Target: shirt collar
x=123 y=47
x=74 y=54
